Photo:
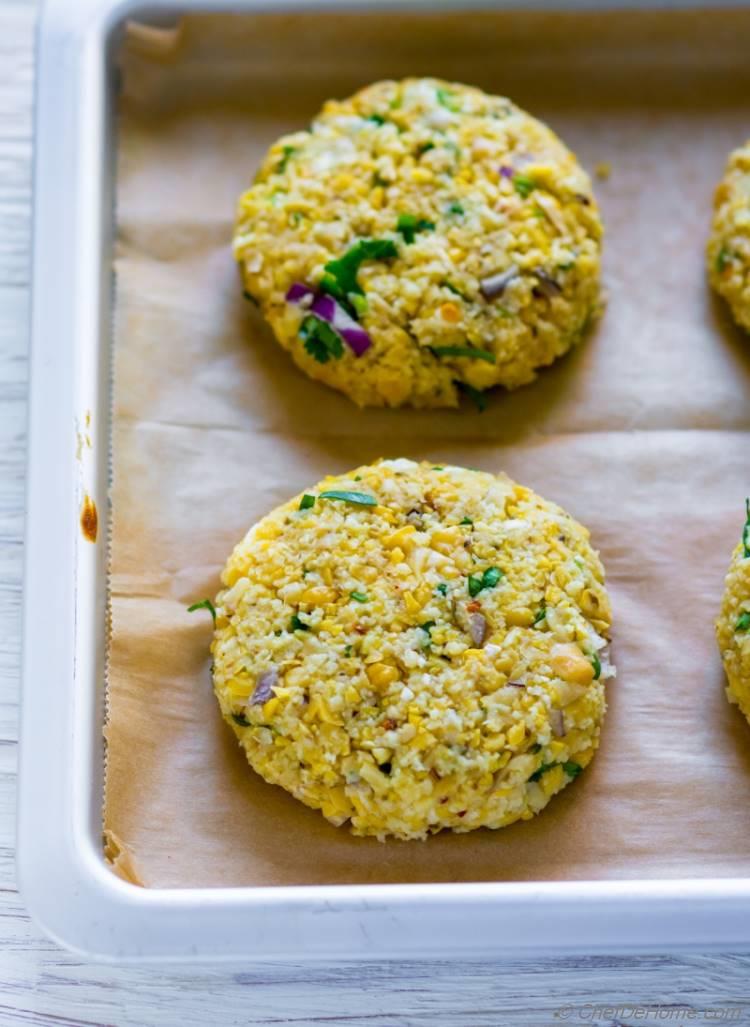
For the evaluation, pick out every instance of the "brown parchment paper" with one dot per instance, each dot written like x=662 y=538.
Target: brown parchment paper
x=642 y=434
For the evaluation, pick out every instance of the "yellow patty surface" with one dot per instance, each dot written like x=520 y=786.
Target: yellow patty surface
x=411 y=647
x=495 y=234
x=729 y=243
x=733 y=625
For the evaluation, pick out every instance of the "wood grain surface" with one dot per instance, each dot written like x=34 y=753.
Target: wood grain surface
x=40 y=984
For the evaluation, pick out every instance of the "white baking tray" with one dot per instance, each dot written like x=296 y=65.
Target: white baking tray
x=64 y=880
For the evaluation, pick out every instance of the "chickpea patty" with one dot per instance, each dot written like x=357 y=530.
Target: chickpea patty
x=412 y=647
x=421 y=238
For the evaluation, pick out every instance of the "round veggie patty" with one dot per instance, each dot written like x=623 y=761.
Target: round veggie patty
x=728 y=251
x=733 y=625
x=411 y=647
x=420 y=237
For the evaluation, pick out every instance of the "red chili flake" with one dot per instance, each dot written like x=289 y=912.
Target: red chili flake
x=473 y=606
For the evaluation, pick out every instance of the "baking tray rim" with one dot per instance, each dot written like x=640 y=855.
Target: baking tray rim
x=63 y=879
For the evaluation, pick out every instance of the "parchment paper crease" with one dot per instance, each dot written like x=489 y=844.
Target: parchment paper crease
x=641 y=434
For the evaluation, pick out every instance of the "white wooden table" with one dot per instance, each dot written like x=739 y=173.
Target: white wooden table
x=39 y=984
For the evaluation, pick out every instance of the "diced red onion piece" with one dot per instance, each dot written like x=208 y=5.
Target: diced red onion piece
x=557 y=723
x=327 y=309
x=262 y=692
x=506 y=171
x=495 y=285
x=478 y=628
x=298 y=291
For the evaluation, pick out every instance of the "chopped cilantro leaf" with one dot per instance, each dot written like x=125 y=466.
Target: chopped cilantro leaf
x=424 y=147
x=359 y=303
x=743 y=621
x=341 y=277
x=570 y=768
x=464 y=351
x=306 y=502
x=746 y=531
x=541 y=614
x=320 y=340
x=596 y=664
x=347 y=650
x=295 y=624
x=409 y=224
x=249 y=296
x=360 y=597
x=443 y=588
x=456 y=208
x=376 y=119
x=449 y=100
x=427 y=626
x=466 y=520
x=287 y=153
x=456 y=291
x=523 y=185
x=542 y=770
x=240 y=719
x=204 y=604
x=478 y=582
x=358 y=498
x=723 y=258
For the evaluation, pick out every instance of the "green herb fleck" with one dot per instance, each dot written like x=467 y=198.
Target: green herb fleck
x=449 y=100
x=359 y=303
x=523 y=185
x=424 y=148
x=287 y=154
x=376 y=119
x=378 y=180
x=306 y=502
x=443 y=588
x=570 y=768
x=347 y=650
x=438 y=467
x=476 y=396
x=295 y=217
x=204 y=604
x=464 y=351
x=427 y=628
x=596 y=664
x=536 y=747
x=240 y=719
x=295 y=624
x=567 y=266
x=360 y=597
x=541 y=614
x=723 y=258
x=456 y=291
x=478 y=582
x=341 y=277
x=466 y=520
x=743 y=621
x=456 y=208
x=320 y=340
x=542 y=770
x=249 y=296
x=409 y=224
x=746 y=531
x=358 y=498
